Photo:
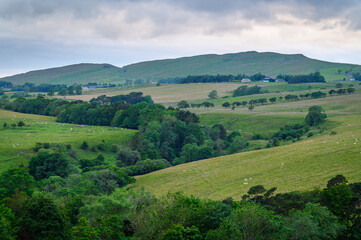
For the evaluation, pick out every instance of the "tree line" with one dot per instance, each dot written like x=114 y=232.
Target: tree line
x=309 y=78
x=164 y=133
x=93 y=205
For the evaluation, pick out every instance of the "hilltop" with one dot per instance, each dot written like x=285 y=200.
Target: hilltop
x=268 y=63
x=77 y=73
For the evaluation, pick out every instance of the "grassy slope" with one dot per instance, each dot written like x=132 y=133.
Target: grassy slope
x=247 y=62
x=300 y=166
x=16 y=144
x=77 y=73
x=306 y=164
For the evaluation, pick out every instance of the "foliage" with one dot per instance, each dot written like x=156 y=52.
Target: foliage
x=337 y=180
x=8 y=228
x=250 y=221
x=315 y=115
x=15 y=178
x=312 y=77
x=245 y=90
x=46 y=164
x=42 y=219
x=183 y=104
x=213 y=94
x=314 y=222
x=178 y=232
x=127 y=157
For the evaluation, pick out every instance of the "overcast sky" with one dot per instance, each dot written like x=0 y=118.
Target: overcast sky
x=37 y=34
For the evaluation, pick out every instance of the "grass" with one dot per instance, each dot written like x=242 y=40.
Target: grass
x=16 y=144
x=304 y=165
x=249 y=124
x=170 y=93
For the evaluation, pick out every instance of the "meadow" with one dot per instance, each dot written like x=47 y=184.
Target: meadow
x=301 y=166
x=304 y=165
x=16 y=145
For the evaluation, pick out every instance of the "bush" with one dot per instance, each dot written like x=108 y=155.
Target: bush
x=115 y=148
x=84 y=145
x=46 y=164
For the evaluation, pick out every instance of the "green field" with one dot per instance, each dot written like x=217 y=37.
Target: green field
x=303 y=165
x=268 y=63
x=300 y=166
x=16 y=144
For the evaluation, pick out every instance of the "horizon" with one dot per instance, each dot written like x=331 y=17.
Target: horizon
x=219 y=54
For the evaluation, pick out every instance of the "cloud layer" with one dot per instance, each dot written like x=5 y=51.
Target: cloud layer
x=36 y=32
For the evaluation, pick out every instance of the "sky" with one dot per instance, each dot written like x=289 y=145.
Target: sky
x=38 y=34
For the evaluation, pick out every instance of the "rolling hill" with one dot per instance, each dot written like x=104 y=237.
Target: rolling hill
x=252 y=62
x=301 y=166
x=77 y=73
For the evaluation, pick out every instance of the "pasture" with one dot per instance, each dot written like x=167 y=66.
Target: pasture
x=301 y=166
x=16 y=144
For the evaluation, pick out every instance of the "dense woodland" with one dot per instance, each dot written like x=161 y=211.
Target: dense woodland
x=55 y=202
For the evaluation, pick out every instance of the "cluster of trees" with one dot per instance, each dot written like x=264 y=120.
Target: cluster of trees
x=4 y=84
x=131 y=98
x=342 y=91
x=357 y=76
x=174 y=135
x=74 y=89
x=78 y=112
x=293 y=132
x=170 y=134
x=31 y=87
x=312 y=77
x=69 y=208
x=185 y=104
x=50 y=89
x=13 y=125
x=103 y=85
x=219 y=78
x=245 y=90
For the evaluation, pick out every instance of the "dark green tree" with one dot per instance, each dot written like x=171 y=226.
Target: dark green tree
x=7 y=223
x=46 y=164
x=84 y=145
x=337 y=180
x=21 y=124
x=273 y=99
x=42 y=219
x=78 y=90
x=178 y=232
x=127 y=157
x=183 y=104
x=62 y=92
x=226 y=105
x=213 y=94
x=51 y=92
x=15 y=178
x=315 y=115
x=250 y=221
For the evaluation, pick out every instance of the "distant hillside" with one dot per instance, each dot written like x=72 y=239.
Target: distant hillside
x=268 y=63
x=77 y=73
